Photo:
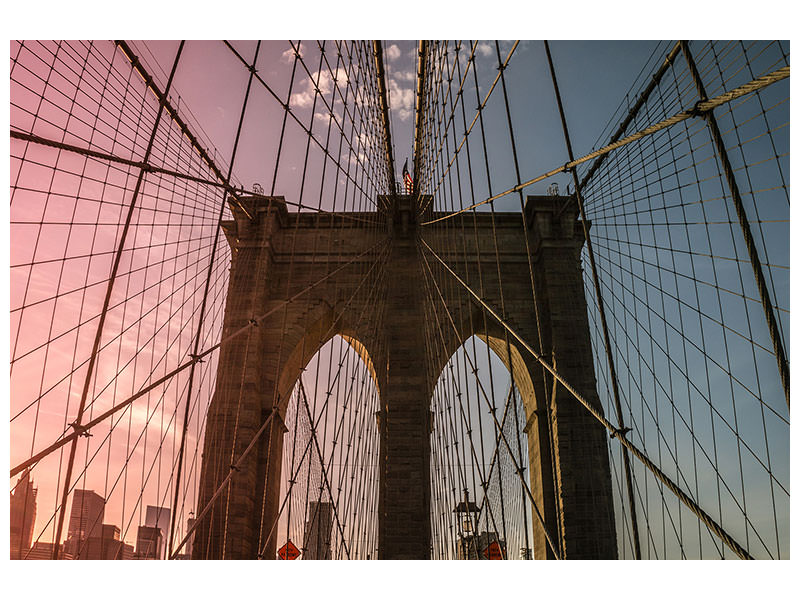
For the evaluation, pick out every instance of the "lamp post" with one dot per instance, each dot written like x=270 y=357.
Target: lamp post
x=468 y=524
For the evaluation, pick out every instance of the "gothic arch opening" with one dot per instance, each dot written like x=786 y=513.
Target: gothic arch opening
x=479 y=445
x=323 y=325
x=328 y=492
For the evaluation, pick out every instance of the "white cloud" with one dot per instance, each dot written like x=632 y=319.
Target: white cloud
x=304 y=98
x=324 y=81
x=355 y=159
x=288 y=56
x=325 y=116
x=485 y=48
x=401 y=100
x=393 y=52
x=405 y=75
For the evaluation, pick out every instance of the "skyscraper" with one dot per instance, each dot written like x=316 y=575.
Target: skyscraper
x=158 y=516
x=187 y=549
x=148 y=543
x=44 y=551
x=85 y=519
x=106 y=547
x=317 y=543
x=23 y=515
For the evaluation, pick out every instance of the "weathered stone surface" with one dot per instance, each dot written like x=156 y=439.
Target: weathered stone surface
x=278 y=254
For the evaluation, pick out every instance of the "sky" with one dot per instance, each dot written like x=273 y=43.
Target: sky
x=213 y=94
x=209 y=85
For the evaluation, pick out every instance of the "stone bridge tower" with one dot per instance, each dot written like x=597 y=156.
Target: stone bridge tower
x=277 y=255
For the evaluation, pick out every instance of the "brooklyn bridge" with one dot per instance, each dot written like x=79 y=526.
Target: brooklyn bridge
x=377 y=300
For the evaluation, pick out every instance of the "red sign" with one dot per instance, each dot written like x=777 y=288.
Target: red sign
x=494 y=551
x=288 y=551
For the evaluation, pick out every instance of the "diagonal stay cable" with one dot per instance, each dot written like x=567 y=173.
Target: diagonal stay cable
x=697 y=110
x=601 y=309
x=616 y=432
x=164 y=98
x=268 y=418
x=322 y=464
x=207 y=286
x=197 y=358
x=736 y=198
x=234 y=468
x=634 y=110
x=485 y=396
x=104 y=311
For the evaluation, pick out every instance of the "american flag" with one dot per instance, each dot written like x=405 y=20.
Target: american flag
x=407 y=178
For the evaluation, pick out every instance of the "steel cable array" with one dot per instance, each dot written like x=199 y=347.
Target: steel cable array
x=654 y=219
x=120 y=191
x=159 y=334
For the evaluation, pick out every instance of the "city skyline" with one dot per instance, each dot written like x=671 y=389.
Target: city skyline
x=88 y=536
x=576 y=21
x=683 y=358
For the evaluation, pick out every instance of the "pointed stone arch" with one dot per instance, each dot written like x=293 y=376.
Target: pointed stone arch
x=297 y=306
x=322 y=325
x=526 y=374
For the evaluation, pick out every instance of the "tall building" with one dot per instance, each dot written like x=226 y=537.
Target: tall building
x=44 y=551
x=158 y=516
x=108 y=546
x=23 y=516
x=148 y=543
x=85 y=520
x=187 y=549
x=127 y=552
x=317 y=542
x=110 y=532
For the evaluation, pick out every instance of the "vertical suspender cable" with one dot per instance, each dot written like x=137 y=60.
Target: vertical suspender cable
x=93 y=359
x=418 y=118
x=377 y=50
x=736 y=197
x=601 y=310
x=196 y=348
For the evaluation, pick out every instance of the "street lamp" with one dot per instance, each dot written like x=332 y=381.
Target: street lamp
x=466 y=509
